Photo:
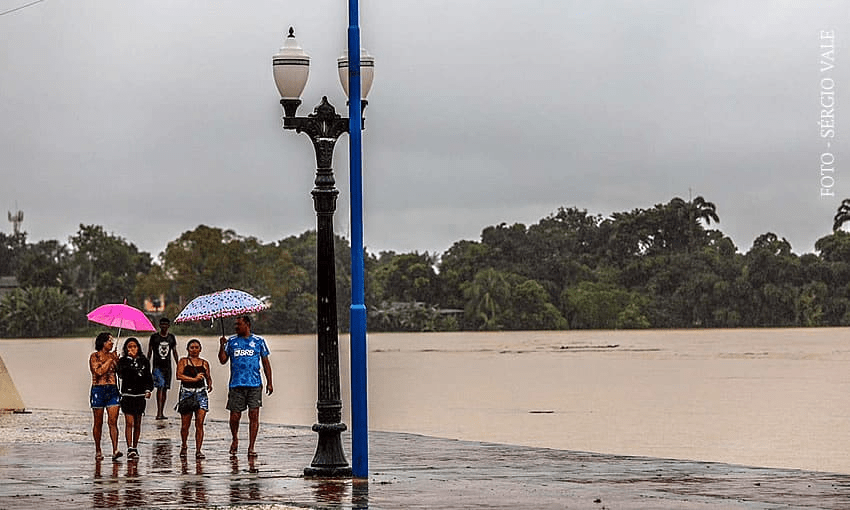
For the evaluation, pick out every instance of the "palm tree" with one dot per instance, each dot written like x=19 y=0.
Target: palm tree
x=485 y=295
x=843 y=214
x=701 y=209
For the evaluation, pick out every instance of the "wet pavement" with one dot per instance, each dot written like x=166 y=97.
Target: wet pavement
x=47 y=461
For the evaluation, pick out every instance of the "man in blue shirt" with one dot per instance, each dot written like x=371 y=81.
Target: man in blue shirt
x=246 y=352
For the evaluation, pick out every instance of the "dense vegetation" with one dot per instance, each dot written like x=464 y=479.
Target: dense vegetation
x=661 y=267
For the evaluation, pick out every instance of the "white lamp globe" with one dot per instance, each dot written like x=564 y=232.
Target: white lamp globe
x=291 y=67
x=367 y=72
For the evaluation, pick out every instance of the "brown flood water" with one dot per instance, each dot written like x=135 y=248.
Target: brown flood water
x=767 y=397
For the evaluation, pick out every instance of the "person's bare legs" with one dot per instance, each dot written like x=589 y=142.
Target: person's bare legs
x=129 y=432
x=253 y=428
x=97 y=432
x=234 y=431
x=185 y=421
x=200 y=415
x=112 y=422
x=161 y=396
x=137 y=430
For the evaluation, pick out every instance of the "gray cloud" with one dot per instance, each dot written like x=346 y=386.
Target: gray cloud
x=153 y=117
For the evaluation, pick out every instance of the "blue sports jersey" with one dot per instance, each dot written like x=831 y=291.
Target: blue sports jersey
x=245 y=354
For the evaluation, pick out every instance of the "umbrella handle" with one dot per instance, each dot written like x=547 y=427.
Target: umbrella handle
x=221 y=321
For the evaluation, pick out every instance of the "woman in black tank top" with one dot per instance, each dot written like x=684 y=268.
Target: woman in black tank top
x=190 y=370
x=193 y=372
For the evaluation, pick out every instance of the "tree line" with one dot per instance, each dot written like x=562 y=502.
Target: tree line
x=659 y=267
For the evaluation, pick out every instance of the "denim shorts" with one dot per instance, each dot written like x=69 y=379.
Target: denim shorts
x=201 y=393
x=161 y=379
x=104 y=395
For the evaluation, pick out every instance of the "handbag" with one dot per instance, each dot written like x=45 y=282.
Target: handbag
x=189 y=404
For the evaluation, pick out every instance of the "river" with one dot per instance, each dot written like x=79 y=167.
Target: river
x=761 y=397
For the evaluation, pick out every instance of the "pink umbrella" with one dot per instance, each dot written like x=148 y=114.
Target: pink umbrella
x=121 y=316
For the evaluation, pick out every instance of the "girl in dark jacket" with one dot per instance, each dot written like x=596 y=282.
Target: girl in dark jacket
x=134 y=371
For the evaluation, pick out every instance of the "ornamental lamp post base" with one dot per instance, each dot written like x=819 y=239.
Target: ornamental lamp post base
x=329 y=461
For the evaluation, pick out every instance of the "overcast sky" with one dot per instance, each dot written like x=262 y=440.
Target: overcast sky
x=153 y=117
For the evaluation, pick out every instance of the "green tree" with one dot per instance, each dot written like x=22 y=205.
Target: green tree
x=38 y=312
x=409 y=277
x=11 y=246
x=811 y=304
x=209 y=259
x=631 y=317
x=508 y=248
x=302 y=249
x=498 y=300
x=530 y=309
x=206 y=260
x=832 y=267
x=155 y=284
x=842 y=215
x=834 y=247
x=701 y=209
x=43 y=265
x=458 y=265
x=275 y=275
x=486 y=295
x=566 y=247
x=102 y=267
x=773 y=273
x=664 y=229
x=594 y=305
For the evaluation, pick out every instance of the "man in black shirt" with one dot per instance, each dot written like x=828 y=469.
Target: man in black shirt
x=162 y=347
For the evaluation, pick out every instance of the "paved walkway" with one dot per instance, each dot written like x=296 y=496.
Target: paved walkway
x=47 y=461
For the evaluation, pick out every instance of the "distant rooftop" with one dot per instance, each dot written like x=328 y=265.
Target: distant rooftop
x=7 y=285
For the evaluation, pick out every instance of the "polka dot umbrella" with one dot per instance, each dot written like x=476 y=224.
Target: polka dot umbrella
x=221 y=304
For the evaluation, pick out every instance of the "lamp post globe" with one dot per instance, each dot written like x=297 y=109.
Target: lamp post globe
x=291 y=67
x=367 y=72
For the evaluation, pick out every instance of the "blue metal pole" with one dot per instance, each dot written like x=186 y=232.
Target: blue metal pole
x=359 y=414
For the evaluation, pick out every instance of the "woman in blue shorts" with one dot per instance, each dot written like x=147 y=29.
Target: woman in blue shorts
x=104 y=392
x=193 y=372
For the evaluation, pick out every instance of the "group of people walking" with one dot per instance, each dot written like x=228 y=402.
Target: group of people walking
x=127 y=381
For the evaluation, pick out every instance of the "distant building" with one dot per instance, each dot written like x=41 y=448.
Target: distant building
x=7 y=285
x=154 y=304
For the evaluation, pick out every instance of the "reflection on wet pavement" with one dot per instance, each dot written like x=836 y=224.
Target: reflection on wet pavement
x=244 y=486
x=409 y=471
x=162 y=452
x=331 y=491
x=134 y=494
x=105 y=493
x=193 y=489
x=360 y=493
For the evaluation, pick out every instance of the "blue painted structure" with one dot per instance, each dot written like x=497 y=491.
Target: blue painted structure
x=359 y=402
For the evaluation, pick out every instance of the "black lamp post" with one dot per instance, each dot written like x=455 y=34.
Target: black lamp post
x=324 y=126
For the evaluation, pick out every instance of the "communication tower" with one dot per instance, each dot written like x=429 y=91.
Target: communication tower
x=16 y=220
